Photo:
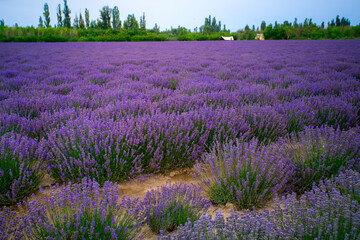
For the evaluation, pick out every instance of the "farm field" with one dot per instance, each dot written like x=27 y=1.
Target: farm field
x=255 y=121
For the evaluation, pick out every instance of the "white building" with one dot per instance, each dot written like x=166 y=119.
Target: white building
x=227 y=38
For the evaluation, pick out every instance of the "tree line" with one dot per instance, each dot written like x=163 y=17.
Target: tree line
x=338 y=28
x=109 y=27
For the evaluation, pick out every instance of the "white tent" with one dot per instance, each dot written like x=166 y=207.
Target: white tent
x=227 y=38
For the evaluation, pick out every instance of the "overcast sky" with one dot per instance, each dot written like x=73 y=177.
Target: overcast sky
x=189 y=13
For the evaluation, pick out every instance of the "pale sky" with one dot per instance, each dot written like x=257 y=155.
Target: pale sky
x=189 y=13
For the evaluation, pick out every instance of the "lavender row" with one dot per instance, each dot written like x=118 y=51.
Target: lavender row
x=328 y=211
x=248 y=174
x=84 y=210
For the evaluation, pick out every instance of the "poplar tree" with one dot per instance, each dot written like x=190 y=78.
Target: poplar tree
x=81 y=22
x=116 y=23
x=143 y=23
x=263 y=26
x=41 y=22
x=66 y=11
x=131 y=23
x=76 y=22
x=59 y=16
x=87 y=18
x=105 y=17
x=46 y=15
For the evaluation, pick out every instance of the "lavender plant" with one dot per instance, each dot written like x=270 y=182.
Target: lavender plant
x=10 y=225
x=325 y=212
x=173 y=205
x=20 y=168
x=88 y=148
x=320 y=153
x=265 y=123
x=81 y=211
x=244 y=174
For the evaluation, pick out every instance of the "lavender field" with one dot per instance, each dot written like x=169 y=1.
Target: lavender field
x=256 y=119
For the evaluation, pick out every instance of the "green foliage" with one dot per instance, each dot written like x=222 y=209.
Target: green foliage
x=76 y=22
x=210 y=26
x=86 y=30
x=131 y=24
x=116 y=23
x=143 y=23
x=105 y=17
x=41 y=22
x=81 y=22
x=59 y=16
x=66 y=11
x=46 y=15
x=87 y=18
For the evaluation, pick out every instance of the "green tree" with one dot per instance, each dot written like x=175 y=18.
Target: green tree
x=116 y=23
x=105 y=17
x=46 y=15
x=337 y=21
x=93 y=24
x=156 y=28
x=263 y=26
x=81 y=22
x=143 y=23
x=41 y=22
x=247 y=28
x=67 y=19
x=131 y=23
x=59 y=16
x=295 y=24
x=87 y=18
x=2 y=23
x=76 y=22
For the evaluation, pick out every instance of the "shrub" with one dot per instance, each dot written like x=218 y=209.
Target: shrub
x=265 y=123
x=172 y=205
x=325 y=212
x=244 y=174
x=9 y=224
x=20 y=168
x=89 y=148
x=80 y=211
x=319 y=153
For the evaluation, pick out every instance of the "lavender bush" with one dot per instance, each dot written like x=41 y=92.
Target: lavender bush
x=173 y=205
x=88 y=148
x=320 y=153
x=328 y=211
x=81 y=211
x=20 y=168
x=245 y=174
x=10 y=224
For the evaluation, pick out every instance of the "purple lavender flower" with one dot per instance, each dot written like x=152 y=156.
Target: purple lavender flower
x=245 y=174
x=20 y=168
x=172 y=205
x=328 y=211
x=82 y=211
x=319 y=153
